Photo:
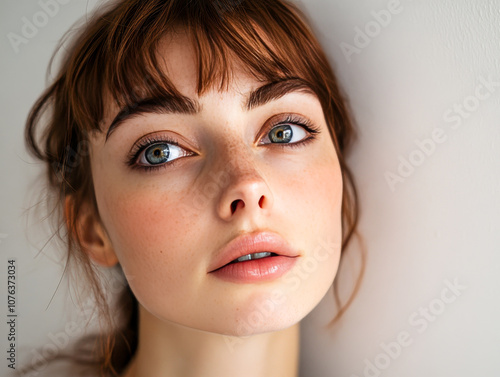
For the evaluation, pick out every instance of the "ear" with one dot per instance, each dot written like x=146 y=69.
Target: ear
x=90 y=232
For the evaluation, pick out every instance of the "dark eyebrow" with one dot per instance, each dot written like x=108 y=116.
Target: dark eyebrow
x=157 y=105
x=184 y=105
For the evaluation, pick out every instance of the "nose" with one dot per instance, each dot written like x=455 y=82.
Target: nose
x=246 y=192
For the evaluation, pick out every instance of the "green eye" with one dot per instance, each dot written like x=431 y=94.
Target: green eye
x=281 y=134
x=157 y=154
x=286 y=134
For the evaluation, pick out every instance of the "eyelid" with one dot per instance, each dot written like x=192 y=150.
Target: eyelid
x=163 y=135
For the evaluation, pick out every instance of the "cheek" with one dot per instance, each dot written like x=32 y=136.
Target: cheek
x=314 y=198
x=314 y=208
x=327 y=201
x=148 y=228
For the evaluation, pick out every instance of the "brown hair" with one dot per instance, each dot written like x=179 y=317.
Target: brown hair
x=114 y=57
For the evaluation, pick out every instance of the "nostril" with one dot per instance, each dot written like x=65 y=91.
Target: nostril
x=261 y=201
x=235 y=204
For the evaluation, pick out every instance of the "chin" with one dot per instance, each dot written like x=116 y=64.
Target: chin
x=266 y=316
x=277 y=308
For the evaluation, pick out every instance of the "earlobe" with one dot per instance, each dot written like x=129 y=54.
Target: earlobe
x=88 y=229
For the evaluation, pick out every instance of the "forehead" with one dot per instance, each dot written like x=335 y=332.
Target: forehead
x=177 y=59
x=195 y=65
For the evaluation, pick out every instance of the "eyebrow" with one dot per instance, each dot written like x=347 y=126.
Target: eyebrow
x=185 y=105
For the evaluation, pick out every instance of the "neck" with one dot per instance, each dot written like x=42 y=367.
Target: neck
x=167 y=349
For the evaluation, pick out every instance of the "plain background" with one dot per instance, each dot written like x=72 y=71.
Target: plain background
x=415 y=71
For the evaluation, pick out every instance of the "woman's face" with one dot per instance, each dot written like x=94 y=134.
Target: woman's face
x=170 y=210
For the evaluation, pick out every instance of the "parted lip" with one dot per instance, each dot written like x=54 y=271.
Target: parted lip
x=254 y=242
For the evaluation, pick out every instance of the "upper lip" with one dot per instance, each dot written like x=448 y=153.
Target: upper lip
x=253 y=242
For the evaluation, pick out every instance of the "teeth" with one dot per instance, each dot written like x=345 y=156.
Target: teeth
x=253 y=256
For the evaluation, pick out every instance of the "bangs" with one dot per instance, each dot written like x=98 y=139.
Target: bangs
x=119 y=59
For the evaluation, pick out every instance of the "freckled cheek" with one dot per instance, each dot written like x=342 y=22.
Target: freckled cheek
x=149 y=233
x=329 y=187
x=317 y=213
x=314 y=197
x=330 y=196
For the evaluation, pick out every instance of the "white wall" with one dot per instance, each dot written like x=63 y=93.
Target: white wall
x=39 y=325
x=438 y=225
x=442 y=222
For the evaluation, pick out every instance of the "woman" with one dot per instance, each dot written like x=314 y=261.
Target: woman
x=199 y=146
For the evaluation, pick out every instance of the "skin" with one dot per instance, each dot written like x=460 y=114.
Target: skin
x=166 y=227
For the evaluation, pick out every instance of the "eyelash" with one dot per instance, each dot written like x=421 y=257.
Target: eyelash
x=148 y=141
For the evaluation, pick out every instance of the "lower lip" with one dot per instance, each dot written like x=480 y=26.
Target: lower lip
x=257 y=270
